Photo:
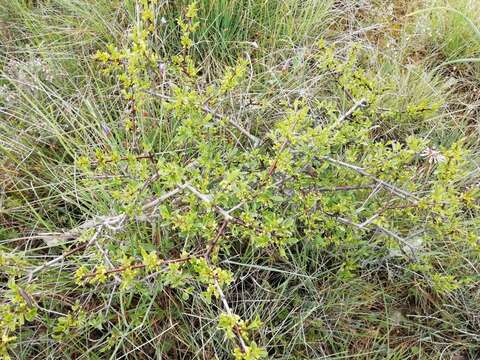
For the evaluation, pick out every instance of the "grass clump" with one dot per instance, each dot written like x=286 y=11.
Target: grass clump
x=454 y=28
x=295 y=202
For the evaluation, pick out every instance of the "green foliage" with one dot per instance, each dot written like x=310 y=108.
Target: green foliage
x=186 y=188
x=252 y=352
x=65 y=326
x=133 y=64
x=16 y=308
x=288 y=175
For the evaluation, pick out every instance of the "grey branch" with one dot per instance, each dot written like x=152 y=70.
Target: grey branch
x=359 y=104
x=229 y=311
x=387 y=232
x=64 y=255
x=394 y=189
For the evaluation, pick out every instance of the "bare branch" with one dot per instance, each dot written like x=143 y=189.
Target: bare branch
x=228 y=310
x=218 y=288
x=64 y=255
x=208 y=199
x=359 y=104
x=381 y=229
x=218 y=117
x=394 y=189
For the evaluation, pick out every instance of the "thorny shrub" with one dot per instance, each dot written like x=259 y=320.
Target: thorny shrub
x=317 y=176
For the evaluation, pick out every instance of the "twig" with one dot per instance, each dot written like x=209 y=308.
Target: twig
x=107 y=260
x=138 y=266
x=218 y=288
x=64 y=255
x=216 y=116
x=379 y=228
x=228 y=310
x=359 y=104
x=273 y=167
x=213 y=243
x=386 y=208
x=343 y=188
x=208 y=199
x=394 y=189
x=109 y=221
x=398 y=238
x=57 y=236
x=162 y=198
x=124 y=158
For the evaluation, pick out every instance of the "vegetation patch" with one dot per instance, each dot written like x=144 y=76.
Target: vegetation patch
x=206 y=180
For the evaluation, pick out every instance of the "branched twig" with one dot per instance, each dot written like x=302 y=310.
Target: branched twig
x=390 y=233
x=216 y=116
x=208 y=199
x=394 y=189
x=107 y=260
x=138 y=266
x=218 y=288
x=63 y=256
x=162 y=198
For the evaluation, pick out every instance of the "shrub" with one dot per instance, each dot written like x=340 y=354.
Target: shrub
x=185 y=184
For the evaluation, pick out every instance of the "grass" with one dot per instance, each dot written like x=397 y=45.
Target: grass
x=55 y=106
x=235 y=27
x=454 y=28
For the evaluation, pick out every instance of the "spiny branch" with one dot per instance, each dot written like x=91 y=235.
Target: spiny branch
x=359 y=104
x=218 y=288
x=138 y=266
x=205 y=108
x=64 y=255
x=390 y=233
x=394 y=189
x=228 y=310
